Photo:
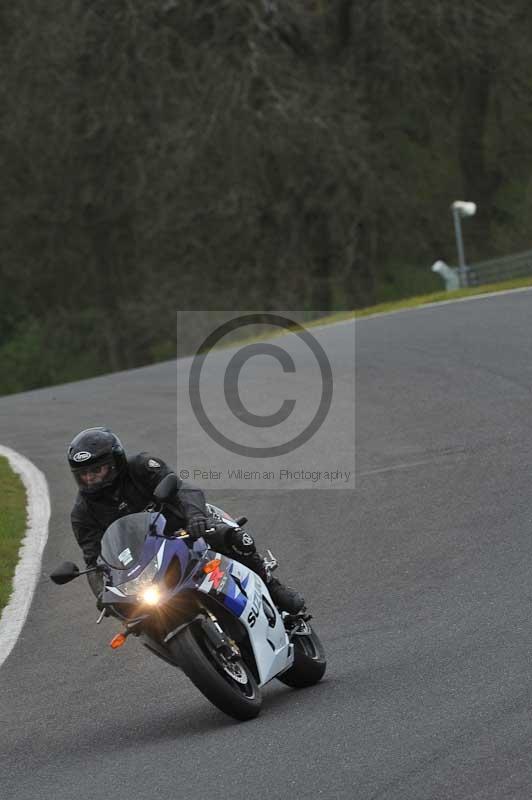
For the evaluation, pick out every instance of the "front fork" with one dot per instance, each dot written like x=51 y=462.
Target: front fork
x=214 y=634
x=221 y=642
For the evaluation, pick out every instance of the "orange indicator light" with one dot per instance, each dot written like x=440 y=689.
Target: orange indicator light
x=210 y=566
x=118 y=640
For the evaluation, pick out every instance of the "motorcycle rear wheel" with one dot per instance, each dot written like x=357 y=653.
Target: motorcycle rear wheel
x=309 y=661
x=229 y=685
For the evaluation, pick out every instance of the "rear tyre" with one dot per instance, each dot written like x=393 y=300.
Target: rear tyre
x=309 y=661
x=229 y=685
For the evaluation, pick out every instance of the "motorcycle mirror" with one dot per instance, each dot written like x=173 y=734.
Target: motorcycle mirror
x=64 y=573
x=166 y=489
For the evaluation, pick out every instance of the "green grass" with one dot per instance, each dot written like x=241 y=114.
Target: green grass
x=425 y=300
x=12 y=526
x=385 y=308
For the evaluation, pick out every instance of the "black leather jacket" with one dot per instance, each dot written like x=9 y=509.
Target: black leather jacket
x=91 y=516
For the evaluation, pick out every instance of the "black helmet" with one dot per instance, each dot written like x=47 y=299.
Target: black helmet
x=89 y=453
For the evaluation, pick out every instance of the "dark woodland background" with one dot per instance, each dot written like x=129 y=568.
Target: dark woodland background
x=244 y=154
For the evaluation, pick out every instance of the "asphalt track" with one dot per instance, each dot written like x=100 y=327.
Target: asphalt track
x=420 y=581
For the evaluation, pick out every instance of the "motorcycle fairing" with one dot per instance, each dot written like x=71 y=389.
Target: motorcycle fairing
x=237 y=588
x=273 y=653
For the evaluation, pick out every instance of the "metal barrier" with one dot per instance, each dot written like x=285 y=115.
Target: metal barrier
x=500 y=269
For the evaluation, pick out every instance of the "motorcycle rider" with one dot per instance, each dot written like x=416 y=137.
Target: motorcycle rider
x=111 y=485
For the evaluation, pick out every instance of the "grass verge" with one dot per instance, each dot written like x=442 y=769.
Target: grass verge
x=426 y=299
x=12 y=526
x=384 y=308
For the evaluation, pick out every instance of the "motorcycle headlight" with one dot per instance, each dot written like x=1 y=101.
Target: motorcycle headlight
x=151 y=595
x=142 y=583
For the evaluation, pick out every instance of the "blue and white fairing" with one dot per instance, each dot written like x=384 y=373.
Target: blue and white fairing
x=138 y=559
x=243 y=593
x=247 y=596
x=139 y=563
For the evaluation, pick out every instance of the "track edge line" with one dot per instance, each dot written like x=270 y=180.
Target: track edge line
x=32 y=546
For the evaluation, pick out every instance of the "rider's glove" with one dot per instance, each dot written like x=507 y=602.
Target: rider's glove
x=228 y=539
x=196 y=526
x=241 y=542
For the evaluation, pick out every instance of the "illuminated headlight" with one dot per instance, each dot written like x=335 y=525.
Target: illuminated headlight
x=142 y=583
x=151 y=596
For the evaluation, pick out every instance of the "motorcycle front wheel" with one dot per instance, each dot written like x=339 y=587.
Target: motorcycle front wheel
x=228 y=684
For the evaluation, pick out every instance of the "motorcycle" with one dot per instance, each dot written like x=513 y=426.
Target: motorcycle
x=200 y=610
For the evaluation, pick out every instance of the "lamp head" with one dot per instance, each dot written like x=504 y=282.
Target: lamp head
x=464 y=208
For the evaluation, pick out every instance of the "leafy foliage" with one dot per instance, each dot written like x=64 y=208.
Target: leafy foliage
x=173 y=154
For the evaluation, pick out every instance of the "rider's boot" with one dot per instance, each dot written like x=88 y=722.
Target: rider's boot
x=243 y=546
x=284 y=597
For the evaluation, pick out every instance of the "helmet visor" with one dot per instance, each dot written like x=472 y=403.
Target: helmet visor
x=93 y=477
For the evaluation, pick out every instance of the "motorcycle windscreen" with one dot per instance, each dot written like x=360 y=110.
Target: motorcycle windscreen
x=123 y=541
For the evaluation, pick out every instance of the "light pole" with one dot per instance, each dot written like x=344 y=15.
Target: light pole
x=460 y=209
x=449 y=274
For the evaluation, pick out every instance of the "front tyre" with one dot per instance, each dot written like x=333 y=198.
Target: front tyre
x=309 y=659
x=228 y=684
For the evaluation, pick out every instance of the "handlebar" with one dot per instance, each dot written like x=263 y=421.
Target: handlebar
x=182 y=534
